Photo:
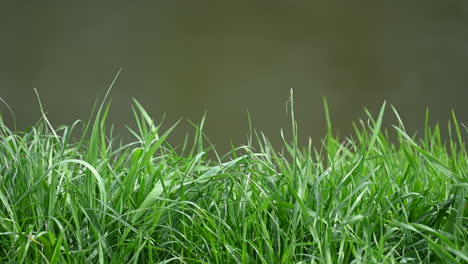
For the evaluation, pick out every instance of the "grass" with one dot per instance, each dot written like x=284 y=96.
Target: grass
x=361 y=199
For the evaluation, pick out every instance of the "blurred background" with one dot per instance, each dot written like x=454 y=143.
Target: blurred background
x=229 y=57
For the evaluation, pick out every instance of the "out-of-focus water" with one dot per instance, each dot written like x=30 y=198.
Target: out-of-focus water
x=184 y=57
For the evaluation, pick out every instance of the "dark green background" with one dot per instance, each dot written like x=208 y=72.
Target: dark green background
x=182 y=57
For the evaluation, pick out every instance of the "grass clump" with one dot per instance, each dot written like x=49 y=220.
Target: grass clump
x=364 y=199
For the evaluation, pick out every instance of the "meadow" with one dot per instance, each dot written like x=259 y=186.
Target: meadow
x=358 y=199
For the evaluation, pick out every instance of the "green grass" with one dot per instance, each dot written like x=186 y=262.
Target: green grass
x=361 y=199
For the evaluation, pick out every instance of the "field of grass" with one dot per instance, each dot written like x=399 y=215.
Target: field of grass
x=360 y=199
